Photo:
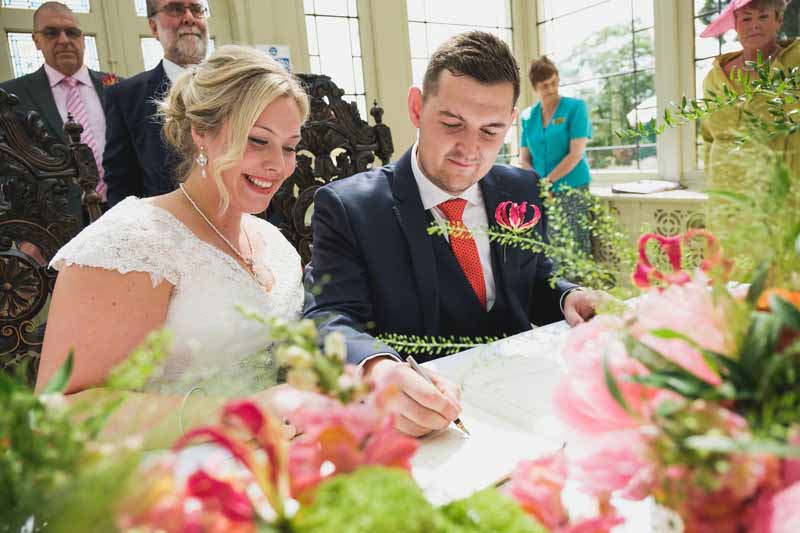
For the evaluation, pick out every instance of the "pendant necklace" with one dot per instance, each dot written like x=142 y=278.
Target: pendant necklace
x=248 y=261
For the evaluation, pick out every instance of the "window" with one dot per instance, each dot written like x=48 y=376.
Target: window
x=25 y=58
x=334 y=46
x=605 y=54
x=153 y=52
x=78 y=6
x=431 y=22
x=141 y=9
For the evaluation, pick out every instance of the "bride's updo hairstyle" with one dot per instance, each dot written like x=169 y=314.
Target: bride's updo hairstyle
x=224 y=95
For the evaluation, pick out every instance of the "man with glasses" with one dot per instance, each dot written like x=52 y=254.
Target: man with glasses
x=136 y=159
x=64 y=84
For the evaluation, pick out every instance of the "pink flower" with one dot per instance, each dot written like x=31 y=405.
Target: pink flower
x=688 y=309
x=511 y=216
x=537 y=486
x=339 y=439
x=231 y=502
x=598 y=524
x=645 y=273
x=582 y=398
x=777 y=512
x=613 y=462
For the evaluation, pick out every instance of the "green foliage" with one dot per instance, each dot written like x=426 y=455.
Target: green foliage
x=368 y=500
x=432 y=345
x=50 y=468
x=296 y=348
x=488 y=511
x=779 y=89
x=608 y=272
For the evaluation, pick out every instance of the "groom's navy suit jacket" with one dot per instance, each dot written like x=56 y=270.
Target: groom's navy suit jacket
x=137 y=160
x=375 y=269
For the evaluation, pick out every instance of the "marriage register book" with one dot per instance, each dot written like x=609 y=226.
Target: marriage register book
x=506 y=390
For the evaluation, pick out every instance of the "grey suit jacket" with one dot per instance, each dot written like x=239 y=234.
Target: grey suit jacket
x=33 y=91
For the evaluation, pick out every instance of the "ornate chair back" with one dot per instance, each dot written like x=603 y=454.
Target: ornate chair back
x=335 y=143
x=46 y=189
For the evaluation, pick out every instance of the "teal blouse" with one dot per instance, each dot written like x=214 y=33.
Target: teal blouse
x=548 y=146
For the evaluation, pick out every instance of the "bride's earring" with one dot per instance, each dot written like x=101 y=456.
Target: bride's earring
x=202 y=161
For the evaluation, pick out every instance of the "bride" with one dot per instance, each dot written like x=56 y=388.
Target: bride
x=186 y=260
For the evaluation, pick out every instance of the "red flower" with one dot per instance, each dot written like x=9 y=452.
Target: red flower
x=646 y=273
x=109 y=79
x=214 y=493
x=511 y=216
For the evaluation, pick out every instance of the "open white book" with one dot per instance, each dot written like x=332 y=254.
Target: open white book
x=506 y=391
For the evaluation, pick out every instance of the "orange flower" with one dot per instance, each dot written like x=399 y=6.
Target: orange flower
x=109 y=79
x=792 y=297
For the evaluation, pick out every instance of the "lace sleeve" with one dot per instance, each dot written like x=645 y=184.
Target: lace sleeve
x=134 y=236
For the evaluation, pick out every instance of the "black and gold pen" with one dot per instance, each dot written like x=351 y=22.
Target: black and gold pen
x=418 y=369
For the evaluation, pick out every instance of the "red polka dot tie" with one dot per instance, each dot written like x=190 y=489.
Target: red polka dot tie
x=464 y=247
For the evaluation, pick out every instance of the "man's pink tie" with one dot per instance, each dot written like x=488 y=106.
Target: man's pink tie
x=77 y=109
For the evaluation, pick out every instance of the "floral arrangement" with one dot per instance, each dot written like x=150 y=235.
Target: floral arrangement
x=347 y=470
x=690 y=396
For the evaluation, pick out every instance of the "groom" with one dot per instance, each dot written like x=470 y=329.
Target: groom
x=374 y=269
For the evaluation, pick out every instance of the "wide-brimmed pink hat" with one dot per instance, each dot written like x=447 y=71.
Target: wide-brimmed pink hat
x=724 y=21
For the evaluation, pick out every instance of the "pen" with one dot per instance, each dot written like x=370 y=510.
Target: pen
x=418 y=369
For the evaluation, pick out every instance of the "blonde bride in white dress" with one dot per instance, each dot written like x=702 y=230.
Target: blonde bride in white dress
x=186 y=260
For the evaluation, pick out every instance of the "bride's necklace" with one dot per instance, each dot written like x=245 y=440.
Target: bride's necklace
x=248 y=261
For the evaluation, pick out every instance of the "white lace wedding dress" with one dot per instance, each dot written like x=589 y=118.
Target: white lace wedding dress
x=211 y=337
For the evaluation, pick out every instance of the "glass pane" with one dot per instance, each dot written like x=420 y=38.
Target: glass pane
x=329 y=7
x=478 y=13
x=591 y=42
x=355 y=39
x=316 y=68
x=418 y=39
x=335 y=59
x=701 y=70
x=415 y=9
x=556 y=8
x=643 y=14
x=358 y=75
x=418 y=67
x=25 y=58
x=644 y=44
x=78 y=6
x=352 y=8
x=311 y=31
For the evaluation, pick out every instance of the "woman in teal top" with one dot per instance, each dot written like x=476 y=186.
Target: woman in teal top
x=553 y=143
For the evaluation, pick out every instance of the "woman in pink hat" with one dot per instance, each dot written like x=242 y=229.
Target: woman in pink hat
x=757 y=23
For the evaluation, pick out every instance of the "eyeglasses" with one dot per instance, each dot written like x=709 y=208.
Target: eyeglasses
x=177 y=9
x=52 y=33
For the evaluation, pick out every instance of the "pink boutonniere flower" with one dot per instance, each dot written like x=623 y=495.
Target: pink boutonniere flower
x=511 y=216
x=109 y=79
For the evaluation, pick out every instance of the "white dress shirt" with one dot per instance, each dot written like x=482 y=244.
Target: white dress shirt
x=91 y=101
x=172 y=70
x=474 y=218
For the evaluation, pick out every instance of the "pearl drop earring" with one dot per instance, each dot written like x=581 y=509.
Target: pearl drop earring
x=202 y=160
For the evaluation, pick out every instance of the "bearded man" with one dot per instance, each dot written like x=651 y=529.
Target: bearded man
x=136 y=160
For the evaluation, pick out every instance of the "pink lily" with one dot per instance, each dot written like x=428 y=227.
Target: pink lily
x=646 y=273
x=232 y=503
x=511 y=216
x=269 y=468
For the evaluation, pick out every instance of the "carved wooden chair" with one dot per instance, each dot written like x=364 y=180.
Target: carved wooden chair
x=335 y=143
x=45 y=190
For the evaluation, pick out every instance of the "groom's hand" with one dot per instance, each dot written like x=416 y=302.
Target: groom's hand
x=579 y=307
x=421 y=407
